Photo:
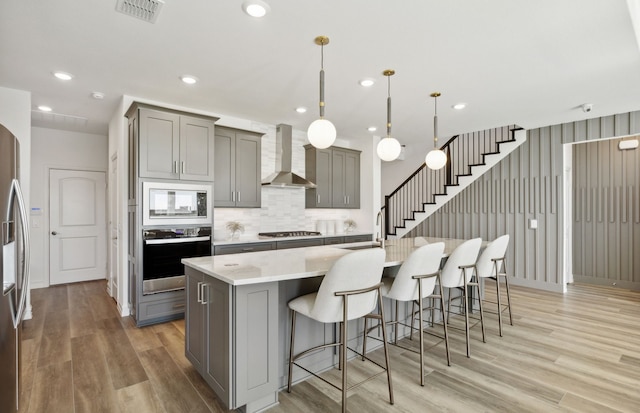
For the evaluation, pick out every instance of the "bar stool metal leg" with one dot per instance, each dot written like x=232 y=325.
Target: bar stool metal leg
x=386 y=345
x=466 y=313
x=499 y=300
x=293 y=333
x=421 y=333
x=343 y=357
x=444 y=325
x=506 y=282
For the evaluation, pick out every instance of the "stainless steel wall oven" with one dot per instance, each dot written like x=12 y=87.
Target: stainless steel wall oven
x=162 y=251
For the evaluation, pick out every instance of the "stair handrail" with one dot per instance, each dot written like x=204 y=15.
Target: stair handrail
x=440 y=179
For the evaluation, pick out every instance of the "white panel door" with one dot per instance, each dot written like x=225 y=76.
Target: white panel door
x=77 y=222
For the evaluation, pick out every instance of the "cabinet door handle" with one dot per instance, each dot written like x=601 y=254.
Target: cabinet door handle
x=175 y=167
x=248 y=249
x=182 y=167
x=205 y=287
x=348 y=199
x=318 y=198
x=199 y=295
x=238 y=196
x=233 y=196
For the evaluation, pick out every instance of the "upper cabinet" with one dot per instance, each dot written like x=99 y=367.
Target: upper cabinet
x=336 y=173
x=238 y=168
x=173 y=144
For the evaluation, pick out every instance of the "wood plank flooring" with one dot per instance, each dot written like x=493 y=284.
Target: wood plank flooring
x=577 y=352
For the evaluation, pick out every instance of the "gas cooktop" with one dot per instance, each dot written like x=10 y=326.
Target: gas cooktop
x=282 y=234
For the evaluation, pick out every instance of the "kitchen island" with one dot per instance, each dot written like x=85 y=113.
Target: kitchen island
x=237 y=322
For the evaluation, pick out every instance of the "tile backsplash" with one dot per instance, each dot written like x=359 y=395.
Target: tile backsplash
x=283 y=209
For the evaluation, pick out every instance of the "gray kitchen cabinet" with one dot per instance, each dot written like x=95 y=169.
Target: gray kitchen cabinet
x=285 y=244
x=169 y=145
x=206 y=330
x=237 y=167
x=336 y=173
x=224 y=355
x=333 y=240
x=357 y=238
x=244 y=247
x=299 y=243
x=318 y=171
x=173 y=144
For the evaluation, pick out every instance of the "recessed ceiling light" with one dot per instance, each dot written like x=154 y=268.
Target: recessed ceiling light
x=372 y=129
x=189 y=80
x=63 y=75
x=367 y=82
x=44 y=108
x=256 y=8
x=301 y=109
x=97 y=95
x=459 y=106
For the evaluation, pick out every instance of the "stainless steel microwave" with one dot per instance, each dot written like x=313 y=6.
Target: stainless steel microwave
x=176 y=204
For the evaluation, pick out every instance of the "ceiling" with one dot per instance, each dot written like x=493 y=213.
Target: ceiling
x=531 y=63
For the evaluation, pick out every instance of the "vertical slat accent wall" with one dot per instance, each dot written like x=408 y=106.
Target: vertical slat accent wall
x=530 y=184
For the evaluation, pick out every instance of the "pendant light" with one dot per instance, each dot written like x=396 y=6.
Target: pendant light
x=436 y=158
x=388 y=148
x=321 y=132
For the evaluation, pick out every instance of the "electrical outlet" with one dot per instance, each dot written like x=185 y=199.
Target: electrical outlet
x=533 y=223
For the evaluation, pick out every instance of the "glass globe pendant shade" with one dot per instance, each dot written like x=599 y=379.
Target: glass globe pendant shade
x=388 y=149
x=436 y=159
x=321 y=133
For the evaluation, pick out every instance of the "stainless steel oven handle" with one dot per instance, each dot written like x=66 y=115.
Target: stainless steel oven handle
x=176 y=240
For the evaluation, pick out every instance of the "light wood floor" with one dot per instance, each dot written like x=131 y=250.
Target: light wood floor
x=575 y=352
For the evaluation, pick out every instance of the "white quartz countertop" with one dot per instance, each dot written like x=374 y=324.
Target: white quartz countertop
x=290 y=264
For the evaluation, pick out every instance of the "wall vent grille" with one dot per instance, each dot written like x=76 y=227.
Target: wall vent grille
x=147 y=10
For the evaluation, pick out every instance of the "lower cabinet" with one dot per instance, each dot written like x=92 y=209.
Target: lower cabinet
x=299 y=243
x=245 y=247
x=224 y=351
x=286 y=244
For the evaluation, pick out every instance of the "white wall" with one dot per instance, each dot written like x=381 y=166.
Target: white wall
x=56 y=149
x=15 y=115
x=395 y=172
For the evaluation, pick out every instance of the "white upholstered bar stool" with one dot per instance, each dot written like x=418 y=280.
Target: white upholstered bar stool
x=415 y=281
x=456 y=274
x=492 y=264
x=349 y=290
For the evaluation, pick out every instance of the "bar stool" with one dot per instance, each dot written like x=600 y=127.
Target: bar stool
x=456 y=274
x=492 y=264
x=416 y=280
x=348 y=291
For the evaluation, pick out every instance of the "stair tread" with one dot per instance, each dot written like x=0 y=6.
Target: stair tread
x=455 y=178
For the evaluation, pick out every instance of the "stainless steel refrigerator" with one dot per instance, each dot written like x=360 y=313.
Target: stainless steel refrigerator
x=14 y=267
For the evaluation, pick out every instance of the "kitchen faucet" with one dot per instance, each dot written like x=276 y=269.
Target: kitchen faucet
x=380 y=239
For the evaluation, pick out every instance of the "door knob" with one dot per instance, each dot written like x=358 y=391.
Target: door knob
x=54 y=233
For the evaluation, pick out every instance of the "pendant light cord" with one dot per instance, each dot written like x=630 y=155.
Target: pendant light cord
x=322 y=81
x=435 y=122
x=388 y=106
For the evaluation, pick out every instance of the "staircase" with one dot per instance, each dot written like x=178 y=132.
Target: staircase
x=469 y=156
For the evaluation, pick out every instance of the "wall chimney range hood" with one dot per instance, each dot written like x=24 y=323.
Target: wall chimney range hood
x=283 y=177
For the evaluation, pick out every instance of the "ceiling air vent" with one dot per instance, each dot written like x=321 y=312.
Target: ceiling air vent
x=146 y=10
